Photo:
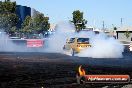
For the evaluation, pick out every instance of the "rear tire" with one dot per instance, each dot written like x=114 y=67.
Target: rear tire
x=72 y=52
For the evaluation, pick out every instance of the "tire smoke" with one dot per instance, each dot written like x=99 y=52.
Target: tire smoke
x=63 y=30
x=102 y=45
x=7 y=44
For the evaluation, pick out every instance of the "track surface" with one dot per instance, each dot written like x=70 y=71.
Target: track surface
x=54 y=70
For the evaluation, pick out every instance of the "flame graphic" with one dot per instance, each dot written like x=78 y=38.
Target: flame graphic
x=81 y=71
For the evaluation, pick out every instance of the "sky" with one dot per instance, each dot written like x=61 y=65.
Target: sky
x=95 y=11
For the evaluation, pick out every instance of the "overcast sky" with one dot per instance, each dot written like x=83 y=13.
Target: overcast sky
x=95 y=11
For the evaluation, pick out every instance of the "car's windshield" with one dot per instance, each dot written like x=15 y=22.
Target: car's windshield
x=83 y=40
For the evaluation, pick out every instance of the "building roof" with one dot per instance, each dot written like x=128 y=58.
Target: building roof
x=125 y=28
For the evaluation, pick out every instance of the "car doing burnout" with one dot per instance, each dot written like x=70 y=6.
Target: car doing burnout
x=75 y=45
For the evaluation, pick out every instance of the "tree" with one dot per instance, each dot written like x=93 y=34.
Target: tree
x=7 y=21
x=45 y=25
x=115 y=28
x=26 y=26
x=8 y=7
x=37 y=24
x=78 y=20
x=8 y=18
x=40 y=23
x=13 y=30
x=27 y=21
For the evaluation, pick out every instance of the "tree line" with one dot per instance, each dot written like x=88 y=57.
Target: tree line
x=9 y=20
x=37 y=24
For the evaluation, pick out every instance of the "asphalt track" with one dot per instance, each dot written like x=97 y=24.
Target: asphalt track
x=28 y=69
x=125 y=62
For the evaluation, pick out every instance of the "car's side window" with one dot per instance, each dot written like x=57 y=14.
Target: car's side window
x=71 y=40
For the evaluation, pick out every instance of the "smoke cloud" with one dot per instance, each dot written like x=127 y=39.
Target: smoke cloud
x=102 y=45
x=7 y=45
x=63 y=30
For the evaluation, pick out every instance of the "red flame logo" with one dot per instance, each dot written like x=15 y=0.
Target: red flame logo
x=81 y=71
